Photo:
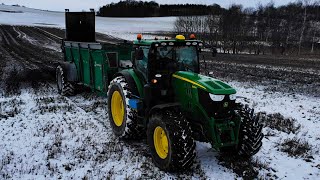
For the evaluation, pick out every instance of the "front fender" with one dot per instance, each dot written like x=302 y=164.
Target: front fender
x=133 y=81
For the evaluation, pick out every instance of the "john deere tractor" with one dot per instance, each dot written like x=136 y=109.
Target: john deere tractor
x=154 y=90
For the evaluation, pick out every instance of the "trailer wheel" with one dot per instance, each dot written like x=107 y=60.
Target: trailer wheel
x=250 y=135
x=65 y=87
x=170 y=140
x=122 y=118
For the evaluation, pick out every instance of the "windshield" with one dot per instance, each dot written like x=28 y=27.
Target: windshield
x=185 y=56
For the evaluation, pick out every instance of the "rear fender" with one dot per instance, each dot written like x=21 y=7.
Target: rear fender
x=162 y=107
x=134 y=83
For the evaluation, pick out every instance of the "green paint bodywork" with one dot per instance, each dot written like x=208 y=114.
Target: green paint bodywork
x=94 y=68
x=186 y=86
x=137 y=81
x=210 y=84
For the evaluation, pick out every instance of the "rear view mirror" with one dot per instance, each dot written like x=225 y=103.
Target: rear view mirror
x=139 y=54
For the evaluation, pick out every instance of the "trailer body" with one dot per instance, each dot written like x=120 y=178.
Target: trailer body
x=96 y=63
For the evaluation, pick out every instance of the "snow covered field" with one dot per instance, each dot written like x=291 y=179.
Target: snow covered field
x=299 y=118
x=47 y=136
x=125 y=28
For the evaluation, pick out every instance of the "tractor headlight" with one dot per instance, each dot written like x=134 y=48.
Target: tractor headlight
x=216 y=97
x=232 y=97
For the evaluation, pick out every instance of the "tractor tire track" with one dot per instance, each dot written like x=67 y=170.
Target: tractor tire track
x=27 y=61
x=22 y=52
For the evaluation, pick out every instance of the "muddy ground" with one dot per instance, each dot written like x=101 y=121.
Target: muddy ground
x=27 y=55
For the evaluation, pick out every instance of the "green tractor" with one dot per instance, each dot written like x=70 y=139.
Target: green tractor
x=155 y=91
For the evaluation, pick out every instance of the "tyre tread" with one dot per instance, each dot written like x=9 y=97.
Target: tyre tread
x=180 y=134
x=68 y=88
x=132 y=130
x=250 y=136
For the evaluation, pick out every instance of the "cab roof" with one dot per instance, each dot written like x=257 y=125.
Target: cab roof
x=149 y=42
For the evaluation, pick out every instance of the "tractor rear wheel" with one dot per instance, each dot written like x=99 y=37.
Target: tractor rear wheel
x=170 y=140
x=65 y=88
x=250 y=135
x=122 y=118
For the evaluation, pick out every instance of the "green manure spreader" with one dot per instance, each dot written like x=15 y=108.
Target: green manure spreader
x=154 y=90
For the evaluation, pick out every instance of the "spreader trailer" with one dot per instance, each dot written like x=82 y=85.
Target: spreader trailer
x=154 y=90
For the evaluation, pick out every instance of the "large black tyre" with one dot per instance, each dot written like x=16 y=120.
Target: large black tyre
x=250 y=135
x=127 y=126
x=180 y=152
x=65 y=88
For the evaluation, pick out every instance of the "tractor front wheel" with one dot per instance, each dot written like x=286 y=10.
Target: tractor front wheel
x=65 y=88
x=250 y=135
x=170 y=140
x=123 y=119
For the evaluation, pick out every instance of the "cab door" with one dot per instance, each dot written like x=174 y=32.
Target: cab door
x=141 y=62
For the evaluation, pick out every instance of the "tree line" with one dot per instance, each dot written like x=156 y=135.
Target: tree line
x=132 y=8
x=290 y=29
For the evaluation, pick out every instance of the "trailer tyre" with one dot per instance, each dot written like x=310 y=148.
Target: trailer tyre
x=122 y=118
x=65 y=88
x=250 y=135
x=170 y=140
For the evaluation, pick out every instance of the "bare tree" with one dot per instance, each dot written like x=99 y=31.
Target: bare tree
x=293 y=28
x=306 y=3
x=316 y=25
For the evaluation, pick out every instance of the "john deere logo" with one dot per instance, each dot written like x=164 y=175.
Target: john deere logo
x=226 y=104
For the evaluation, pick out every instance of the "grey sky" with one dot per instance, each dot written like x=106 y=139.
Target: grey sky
x=75 y=5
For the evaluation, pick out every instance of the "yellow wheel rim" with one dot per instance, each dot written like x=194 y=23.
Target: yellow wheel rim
x=117 y=108
x=161 y=142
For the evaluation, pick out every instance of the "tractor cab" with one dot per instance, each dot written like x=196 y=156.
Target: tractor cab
x=164 y=57
x=156 y=61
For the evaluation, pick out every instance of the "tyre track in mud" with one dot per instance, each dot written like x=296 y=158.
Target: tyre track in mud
x=26 y=53
x=25 y=58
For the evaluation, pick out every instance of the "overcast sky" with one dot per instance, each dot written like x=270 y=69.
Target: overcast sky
x=76 y=5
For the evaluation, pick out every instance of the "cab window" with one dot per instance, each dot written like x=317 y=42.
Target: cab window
x=142 y=65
